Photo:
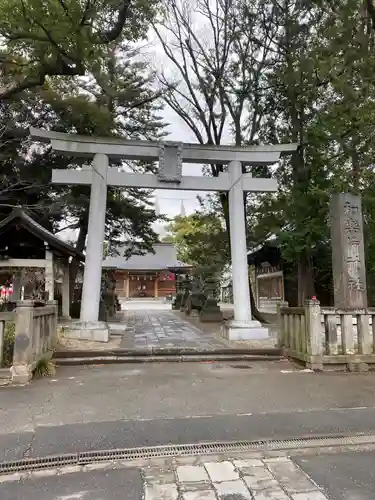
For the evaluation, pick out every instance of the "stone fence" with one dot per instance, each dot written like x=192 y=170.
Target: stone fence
x=327 y=338
x=35 y=337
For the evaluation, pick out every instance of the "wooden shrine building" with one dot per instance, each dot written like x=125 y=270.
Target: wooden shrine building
x=276 y=279
x=152 y=275
x=34 y=263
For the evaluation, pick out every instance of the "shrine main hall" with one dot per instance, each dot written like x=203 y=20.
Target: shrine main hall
x=152 y=275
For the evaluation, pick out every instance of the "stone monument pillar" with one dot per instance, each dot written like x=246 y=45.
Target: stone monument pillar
x=348 y=256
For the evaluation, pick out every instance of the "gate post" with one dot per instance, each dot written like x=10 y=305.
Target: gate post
x=314 y=356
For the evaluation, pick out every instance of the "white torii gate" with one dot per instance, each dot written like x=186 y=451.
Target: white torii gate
x=170 y=155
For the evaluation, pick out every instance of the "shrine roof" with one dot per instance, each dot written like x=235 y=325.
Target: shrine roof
x=163 y=258
x=269 y=251
x=21 y=217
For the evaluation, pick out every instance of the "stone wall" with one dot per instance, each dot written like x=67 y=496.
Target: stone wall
x=35 y=337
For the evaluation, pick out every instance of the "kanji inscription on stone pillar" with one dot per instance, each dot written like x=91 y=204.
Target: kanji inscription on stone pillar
x=348 y=257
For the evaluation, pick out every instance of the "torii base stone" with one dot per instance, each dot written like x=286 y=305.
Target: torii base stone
x=95 y=331
x=247 y=330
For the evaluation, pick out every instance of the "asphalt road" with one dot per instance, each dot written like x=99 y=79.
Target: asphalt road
x=123 y=484
x=133 y=433
x=106 y=407
x=344 y=476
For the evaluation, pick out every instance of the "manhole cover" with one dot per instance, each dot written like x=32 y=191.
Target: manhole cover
x=241 y=367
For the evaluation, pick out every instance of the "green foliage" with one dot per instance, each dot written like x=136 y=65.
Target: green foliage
x=9 y=340
x=63 y=37
x=299 y=72
x=201 y=241
x=321 y=97
x=44 y=368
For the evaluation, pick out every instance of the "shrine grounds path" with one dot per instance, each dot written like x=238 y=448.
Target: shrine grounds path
x=153 y=325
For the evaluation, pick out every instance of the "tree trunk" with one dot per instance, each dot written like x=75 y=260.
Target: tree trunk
x=306 y=283
x=74 y=265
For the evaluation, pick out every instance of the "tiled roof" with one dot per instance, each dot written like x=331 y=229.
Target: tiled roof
x=22 y=217
x=165 y=257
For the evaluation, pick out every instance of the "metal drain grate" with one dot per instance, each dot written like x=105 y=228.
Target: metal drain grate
x=87 y=457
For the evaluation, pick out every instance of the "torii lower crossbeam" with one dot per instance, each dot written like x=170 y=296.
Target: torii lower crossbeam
x=171 y=156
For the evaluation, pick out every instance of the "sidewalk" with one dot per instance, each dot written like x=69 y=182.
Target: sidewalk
x=186 y=478
x=243 y=478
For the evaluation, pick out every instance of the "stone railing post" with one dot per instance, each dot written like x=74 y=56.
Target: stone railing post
x=280 y=323
x=314 y=335
x=52 y=324
x=23 y=346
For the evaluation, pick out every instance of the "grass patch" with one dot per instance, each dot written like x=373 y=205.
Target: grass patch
x=44 y=368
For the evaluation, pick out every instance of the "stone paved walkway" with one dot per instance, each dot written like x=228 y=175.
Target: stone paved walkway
x=180 y=478
x=243 y=478
x=162 y=329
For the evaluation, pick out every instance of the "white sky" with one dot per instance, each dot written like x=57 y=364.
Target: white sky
x=169 y=202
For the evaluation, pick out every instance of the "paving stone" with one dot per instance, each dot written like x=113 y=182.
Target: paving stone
x=312 y=495
x=257 y=475
x=221 y=471
x=161 y=492
x=271 y=460
x=291 y=478
x=199 y=495
x=165 y=463
x=275 y=493
x=233 y=490
x=212 y=457
x=198 y=486
x=246 y=464
x=163 y=329
x=191 y=473
x=260 y=483
x=155 y=475
x=187 y=460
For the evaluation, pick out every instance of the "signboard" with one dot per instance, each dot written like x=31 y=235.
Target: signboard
x=348 y=257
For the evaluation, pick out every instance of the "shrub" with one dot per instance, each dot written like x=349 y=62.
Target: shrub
x=44 y=368
x=9 y=340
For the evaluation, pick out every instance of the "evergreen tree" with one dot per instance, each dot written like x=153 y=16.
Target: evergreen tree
x=42 y=40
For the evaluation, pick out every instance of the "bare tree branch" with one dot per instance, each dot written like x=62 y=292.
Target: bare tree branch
x=221 y=67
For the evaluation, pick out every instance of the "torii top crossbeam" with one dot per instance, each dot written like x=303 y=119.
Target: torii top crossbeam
x=170 y=155
x=79 y=145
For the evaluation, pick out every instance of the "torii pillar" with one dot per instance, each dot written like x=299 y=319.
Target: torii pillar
x=170 y=156
x=243 y=327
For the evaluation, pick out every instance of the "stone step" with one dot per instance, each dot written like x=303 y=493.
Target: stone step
x=5 y=374
x=170 y=351
x=171 y=358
